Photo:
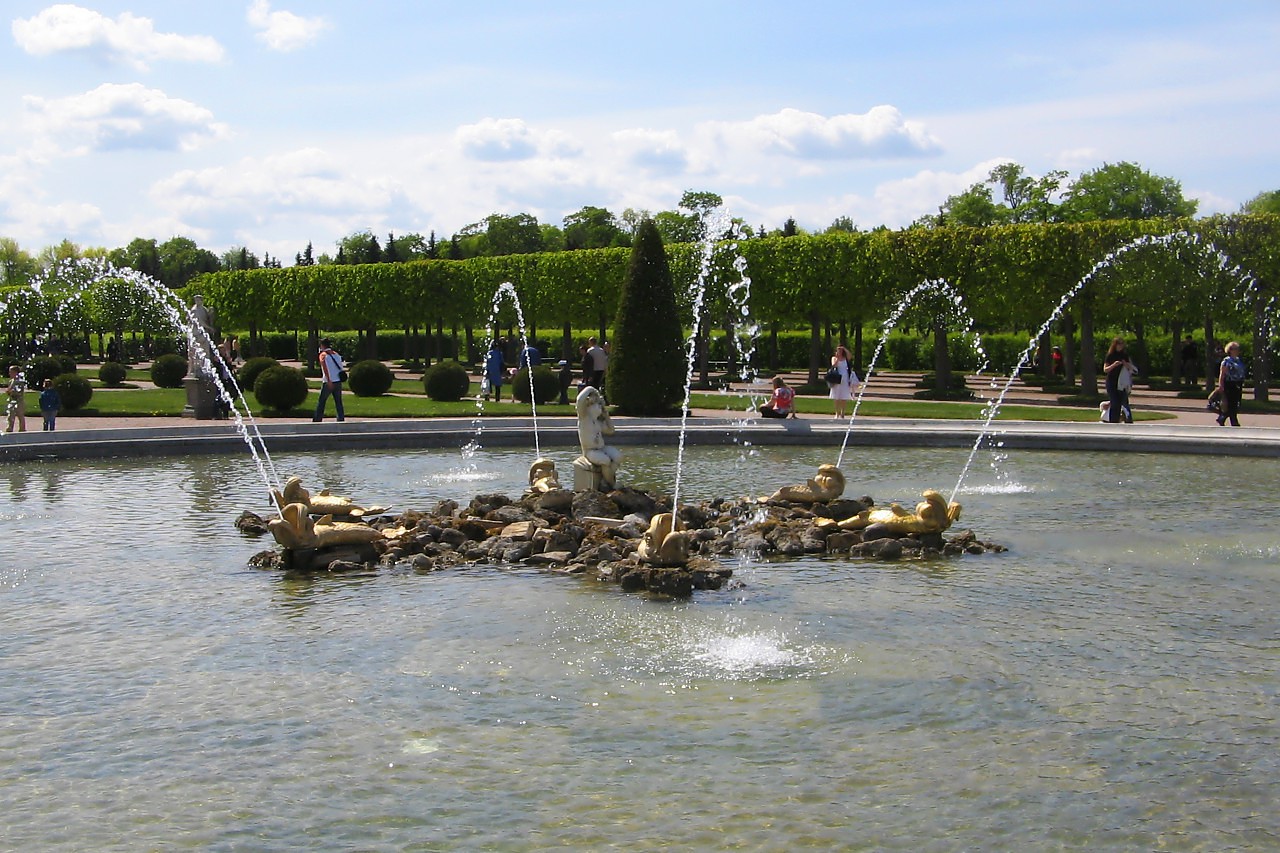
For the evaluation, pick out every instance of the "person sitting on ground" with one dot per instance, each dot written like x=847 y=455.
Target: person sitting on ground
x=783 y=403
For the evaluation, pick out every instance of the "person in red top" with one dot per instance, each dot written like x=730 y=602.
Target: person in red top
x=783 y=403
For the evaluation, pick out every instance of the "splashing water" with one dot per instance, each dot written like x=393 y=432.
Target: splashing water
x=80 y=276
x=507 y=290
x=940 y=286
x=1249 y=291
x=716 y=224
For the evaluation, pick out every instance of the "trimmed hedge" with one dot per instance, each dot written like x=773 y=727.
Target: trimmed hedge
x=546 y=385
x=281 y=388
x=247 y=375
x=369 y=378
x=447 y=382
x=74 y=390
x=112 y=374
x=167 y=371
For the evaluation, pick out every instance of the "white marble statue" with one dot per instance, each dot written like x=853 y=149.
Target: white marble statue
x=597 y=467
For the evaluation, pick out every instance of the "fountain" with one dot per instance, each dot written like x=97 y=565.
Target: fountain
x=190 y=323
x=1248 y=286
x=985 y=698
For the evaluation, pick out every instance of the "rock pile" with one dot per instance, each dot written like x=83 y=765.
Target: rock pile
x=596 y=535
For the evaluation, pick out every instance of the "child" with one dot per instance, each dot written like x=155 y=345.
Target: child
x=50 y=403
x=16 y=400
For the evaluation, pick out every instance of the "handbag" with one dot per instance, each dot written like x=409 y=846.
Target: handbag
x=342 y=376
x=833 y=376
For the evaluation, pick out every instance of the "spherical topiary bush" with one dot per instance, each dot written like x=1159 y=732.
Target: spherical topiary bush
x=446 y=382
x=42 y=368
x=281 y=388
x=369 y=378
x=75 y=391
x=112 y=374
x=167 y=371
x=247 y=375
x=546 y=385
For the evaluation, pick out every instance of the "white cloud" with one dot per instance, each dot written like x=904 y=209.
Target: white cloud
x=127 y=39
x=880 y=132
x=283 y=31
x=655 y=151
x=121 y=116
x=505 y=139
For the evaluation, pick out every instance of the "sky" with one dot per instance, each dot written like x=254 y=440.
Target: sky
x=273 y=123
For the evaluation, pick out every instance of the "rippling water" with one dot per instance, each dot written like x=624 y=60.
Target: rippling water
x=1108 y=683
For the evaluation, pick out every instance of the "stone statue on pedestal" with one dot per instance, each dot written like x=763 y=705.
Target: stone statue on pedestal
x=597 y=467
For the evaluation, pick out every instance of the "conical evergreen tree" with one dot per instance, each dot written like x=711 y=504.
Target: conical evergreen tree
x=647 y=365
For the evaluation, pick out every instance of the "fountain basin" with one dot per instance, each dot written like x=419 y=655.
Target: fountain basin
x=1108 y=683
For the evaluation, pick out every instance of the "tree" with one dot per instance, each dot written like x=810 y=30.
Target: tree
x=1125 y=191
x=647 y=368
x=141 y=255
x=16 y=266
x=1027 y=198
x=1267 y=202
x=182 y=260
x=513 y=235
x=592 y=228
x=240 y=259
x=842 y=224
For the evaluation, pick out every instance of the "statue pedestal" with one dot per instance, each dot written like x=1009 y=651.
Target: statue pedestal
x=589 y=476
x=202 y=399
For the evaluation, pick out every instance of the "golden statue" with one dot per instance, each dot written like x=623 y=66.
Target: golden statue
x=295 y=529
x=543 y=477
x=932 y=515
x=322 y=503
x=826 y=485
x=665 y=543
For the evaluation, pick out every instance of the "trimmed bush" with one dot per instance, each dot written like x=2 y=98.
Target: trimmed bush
x=45 y=367
x=247 y=375
x=369 y=378
x=167 y=371
x=74 y=390
x=447 y=382
x=546 y=385
x=281 y=388
x=112 y=374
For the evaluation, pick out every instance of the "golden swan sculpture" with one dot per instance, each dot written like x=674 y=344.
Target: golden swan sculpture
x=931 y=515
x=826 y=485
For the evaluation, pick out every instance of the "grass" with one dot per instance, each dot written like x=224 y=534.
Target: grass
x=926 y=409
x=409 y=401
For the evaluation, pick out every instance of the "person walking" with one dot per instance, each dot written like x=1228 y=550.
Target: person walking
x=1231 y=376
x=599 y=363
x=332 y=374
x=16 y=400
x=494 y=366
x=842 y=380
x=1119 y=369
x=50 y=403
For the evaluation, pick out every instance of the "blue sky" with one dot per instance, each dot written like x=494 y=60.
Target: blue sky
x=271 y=123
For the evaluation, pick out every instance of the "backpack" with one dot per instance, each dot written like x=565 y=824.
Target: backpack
x=1235 y=369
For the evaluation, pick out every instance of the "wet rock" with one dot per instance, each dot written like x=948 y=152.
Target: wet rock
x=454 y=537
x=251 y=524
x=482 y=505
x=551 y=558
x=884 y=549
x=588 y=503
x=556 y=500
x=843 y=541
x=633 y=501
x=509 y=514
x=872 y=532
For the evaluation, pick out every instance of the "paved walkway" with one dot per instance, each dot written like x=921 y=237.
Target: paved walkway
x=1191 y=430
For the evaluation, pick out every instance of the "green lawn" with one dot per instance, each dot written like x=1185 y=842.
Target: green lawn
x=924 y=409
x=148 y=402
